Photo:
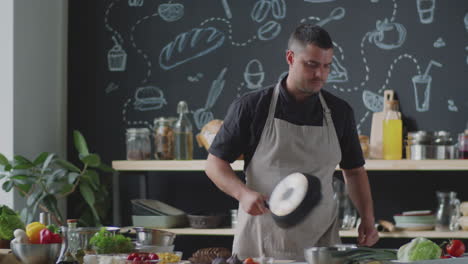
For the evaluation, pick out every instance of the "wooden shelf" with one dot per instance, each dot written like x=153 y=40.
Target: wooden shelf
x=372 y=165
x=343 y=233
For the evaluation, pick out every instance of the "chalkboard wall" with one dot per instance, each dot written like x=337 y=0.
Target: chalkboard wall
x=131 y=61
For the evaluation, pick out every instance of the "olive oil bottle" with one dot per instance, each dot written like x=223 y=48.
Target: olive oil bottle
x=392 y=133
x=183 y=136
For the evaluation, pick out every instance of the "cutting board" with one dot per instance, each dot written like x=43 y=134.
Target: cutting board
x=376 y=141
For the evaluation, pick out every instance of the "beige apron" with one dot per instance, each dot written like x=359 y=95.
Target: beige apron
x=285 y=148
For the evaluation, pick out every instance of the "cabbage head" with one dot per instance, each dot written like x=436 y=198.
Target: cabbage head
x=419 y=249
x=9 y=222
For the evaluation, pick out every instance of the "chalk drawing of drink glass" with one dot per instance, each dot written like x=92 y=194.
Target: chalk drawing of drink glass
x=116 y=57
x=422 y=88
x=426 y=10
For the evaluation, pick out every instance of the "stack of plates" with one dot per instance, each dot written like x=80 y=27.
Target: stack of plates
x=415 y=220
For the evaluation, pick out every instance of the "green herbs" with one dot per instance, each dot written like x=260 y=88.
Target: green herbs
x=356 y=255
x=419 y=249
x=9 y=222
x=104 y=242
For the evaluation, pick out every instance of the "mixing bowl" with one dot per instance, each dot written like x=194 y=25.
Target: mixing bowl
x=36 y=253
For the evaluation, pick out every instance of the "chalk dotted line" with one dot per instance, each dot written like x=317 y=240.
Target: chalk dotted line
x=395 y=6
x=234 y=43
x=389 y=75
x=140 y=51
x=106 y=22
x=124 y=116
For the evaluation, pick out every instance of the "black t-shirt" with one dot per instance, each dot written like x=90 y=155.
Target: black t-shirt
x=246 y=117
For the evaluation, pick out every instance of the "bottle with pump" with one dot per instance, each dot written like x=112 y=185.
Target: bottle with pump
x=183 y=136
x=392 y=132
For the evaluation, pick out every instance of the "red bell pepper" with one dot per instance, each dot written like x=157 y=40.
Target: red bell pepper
x=48 y=237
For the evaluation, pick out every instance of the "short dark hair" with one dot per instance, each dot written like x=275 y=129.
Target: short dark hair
x=305 y=34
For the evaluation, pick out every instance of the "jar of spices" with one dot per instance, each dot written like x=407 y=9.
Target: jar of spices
x=138 y=144
x=163 y=139
x=364 y=140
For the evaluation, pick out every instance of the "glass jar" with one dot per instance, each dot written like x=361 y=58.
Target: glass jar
x=138 y=144
x=463 y=145
x=364 y=140
x=163 y=139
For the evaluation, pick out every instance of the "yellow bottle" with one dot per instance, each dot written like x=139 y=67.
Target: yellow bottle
x=392 y=133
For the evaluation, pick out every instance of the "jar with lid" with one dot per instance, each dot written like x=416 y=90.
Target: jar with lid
x=364 y=141
x=138 y=144
x=463 y=145
x=183 y=136
x=163 y=139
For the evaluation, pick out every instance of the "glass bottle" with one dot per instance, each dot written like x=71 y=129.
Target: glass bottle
x=163 y=139
x=183 y=136
x=392 y=133
x=65 y=255
x=138 y=144
x=73 y=236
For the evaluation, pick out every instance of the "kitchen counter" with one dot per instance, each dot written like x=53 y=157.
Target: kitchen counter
x=6 y=257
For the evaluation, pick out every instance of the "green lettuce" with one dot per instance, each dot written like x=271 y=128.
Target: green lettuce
x=9 y=222
x=419 y=249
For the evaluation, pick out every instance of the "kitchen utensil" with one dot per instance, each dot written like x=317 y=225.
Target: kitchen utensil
x=151 y=236
x=448 y=211
x=36 y=253
x=325 y=255
x=293 y=198
x=376 y=136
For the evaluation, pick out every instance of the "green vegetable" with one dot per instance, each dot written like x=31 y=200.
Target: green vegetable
x=419 y=249
x=104 y=242
x=356 y=255
x=9 y=222
x=53 y=228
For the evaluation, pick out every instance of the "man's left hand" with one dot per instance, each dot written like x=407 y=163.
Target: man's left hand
x=367 y=234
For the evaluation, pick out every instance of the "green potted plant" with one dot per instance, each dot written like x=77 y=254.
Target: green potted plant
x=48 y=178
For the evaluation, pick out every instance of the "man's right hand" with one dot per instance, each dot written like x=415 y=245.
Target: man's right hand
x=253 y=202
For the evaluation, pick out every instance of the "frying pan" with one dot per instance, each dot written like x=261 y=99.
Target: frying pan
x=293 y=198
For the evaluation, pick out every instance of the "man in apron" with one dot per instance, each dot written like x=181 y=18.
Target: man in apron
x=293 y=126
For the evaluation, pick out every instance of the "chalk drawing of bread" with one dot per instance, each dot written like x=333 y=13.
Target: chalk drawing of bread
x=190 y=45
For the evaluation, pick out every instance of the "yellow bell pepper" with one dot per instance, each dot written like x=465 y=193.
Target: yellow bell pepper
x=33 y=230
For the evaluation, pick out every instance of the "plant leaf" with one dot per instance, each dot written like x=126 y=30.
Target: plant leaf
x=87 y=193
x=80 y=143
x=105 y=168
x=8 y=167
x=23 y=166
x=41 y=158
x=66 y=188
x=22 y=160
x=50 y=202
x=23 y=179
x=72 y=176
x=34 y=196
x=67 y=165
x=93 y=160
x=47 y=162
x=3 y=160
x=7 y=186
x=2 y=176
x=26 y=215
x=94 y=180
x=24 y=187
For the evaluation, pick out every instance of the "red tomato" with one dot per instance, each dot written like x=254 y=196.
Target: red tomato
x=153 y=256
x=136 y=259
x=143 y=257
x=455 y=248
x=132 y=256
x=249 y=261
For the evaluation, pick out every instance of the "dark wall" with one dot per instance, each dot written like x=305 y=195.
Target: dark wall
x=131 y=61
